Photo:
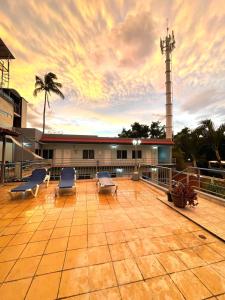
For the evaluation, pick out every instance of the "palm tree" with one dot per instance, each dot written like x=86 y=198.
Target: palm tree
x=47 y=85
x=213 y=136
x=189 y=142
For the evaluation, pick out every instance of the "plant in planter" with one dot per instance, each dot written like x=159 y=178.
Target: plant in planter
x=169 y=196
x=184 y=194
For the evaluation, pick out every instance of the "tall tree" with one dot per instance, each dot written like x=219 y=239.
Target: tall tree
x=213 y=136
x=178 y=154
x=189 y=142
x=137 y=131
x=157 y=130
x=47 y=86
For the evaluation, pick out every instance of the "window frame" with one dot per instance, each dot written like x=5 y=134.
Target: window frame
x=138 y=153
x=48 y=151
x=88 y=154
x=123 y=154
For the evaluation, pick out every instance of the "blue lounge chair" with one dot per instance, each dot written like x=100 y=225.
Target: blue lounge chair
x=37 y=177
x=104 y=181
x=67 y=179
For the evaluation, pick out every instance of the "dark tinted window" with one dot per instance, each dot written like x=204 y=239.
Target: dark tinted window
x=138 y=154
x=121 y=154
x=88 y=154
x=45 y=153
x=38 y=151
x=48 y=153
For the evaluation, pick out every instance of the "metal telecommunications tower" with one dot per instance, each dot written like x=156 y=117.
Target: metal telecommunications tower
x=167 y=45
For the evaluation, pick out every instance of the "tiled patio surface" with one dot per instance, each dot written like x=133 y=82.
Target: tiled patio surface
x=209 y=214
x=91 y=246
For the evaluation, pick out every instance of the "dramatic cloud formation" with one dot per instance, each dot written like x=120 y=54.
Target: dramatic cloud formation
x=107 y=56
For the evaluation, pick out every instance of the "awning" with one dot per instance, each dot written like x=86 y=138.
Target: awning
x=21 y=146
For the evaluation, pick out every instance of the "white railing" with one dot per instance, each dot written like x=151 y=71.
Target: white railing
x=100 y=162
x=86 y=168
x=210 y=181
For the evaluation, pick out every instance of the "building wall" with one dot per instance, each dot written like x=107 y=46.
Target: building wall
x=6 y=113
x=104 y=153
x=24 y=114
x=8 y=152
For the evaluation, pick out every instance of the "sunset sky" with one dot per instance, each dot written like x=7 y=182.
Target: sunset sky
x=107 y=56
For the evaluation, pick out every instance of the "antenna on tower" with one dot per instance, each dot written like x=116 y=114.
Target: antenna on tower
x=167 y=45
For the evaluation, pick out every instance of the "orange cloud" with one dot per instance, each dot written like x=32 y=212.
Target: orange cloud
x=107 y=52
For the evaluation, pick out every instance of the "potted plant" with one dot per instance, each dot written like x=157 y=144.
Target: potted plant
x=184 y=194
x=169 y=195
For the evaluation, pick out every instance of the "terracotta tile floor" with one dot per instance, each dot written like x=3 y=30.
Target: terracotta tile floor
x=99 y=246
x=204 y=214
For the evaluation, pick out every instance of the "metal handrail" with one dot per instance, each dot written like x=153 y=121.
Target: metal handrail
x=163 y=176
x=181 y=172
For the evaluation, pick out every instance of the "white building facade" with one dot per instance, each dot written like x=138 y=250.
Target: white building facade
x=94 y=150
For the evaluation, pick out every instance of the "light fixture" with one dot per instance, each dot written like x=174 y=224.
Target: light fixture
x=154 y=147
x=27 y=144
x=113 y=146
x=136 y=142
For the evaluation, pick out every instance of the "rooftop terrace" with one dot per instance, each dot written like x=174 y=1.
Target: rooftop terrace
x=100 y=246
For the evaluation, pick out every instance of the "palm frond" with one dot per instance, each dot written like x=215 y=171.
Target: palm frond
x=221 y=128
x=38 y=82
x=37 y=90
x=57 y=92
x=50 y=77
x=58 y=84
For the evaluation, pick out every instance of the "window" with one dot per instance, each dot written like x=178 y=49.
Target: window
x=38 y=151
x=48 y=153
x=88 y=154
x=121 y=154
x=138 y=154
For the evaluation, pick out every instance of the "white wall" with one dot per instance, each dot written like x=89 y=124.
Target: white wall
x=103 y=152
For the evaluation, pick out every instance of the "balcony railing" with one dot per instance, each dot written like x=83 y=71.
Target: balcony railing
x=86 y=168
x=210 y=181
x=100 y=162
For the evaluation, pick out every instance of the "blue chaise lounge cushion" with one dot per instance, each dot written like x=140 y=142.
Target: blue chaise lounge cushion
x=37 y=177
x=67 y=178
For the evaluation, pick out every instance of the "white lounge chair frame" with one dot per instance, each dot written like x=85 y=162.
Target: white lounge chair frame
x=35 y=190
x=104 y=183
